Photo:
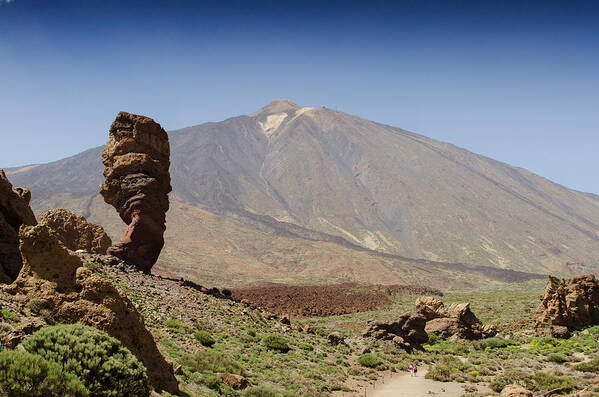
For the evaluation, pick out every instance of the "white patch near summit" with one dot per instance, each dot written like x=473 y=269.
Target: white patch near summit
x=273 y=121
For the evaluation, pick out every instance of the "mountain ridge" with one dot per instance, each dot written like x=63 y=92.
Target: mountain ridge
x=374 y=186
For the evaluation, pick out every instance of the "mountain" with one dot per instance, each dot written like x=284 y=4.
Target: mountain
x=268 y=195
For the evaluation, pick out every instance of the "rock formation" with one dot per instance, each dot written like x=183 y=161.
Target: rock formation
x=455 y=322
x=407 y=332
x=568 y=304
x=14 y=212
x=54 y=280
x=75 y=233
x=136 y=159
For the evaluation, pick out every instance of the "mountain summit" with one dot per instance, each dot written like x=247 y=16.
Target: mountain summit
x=270 y=189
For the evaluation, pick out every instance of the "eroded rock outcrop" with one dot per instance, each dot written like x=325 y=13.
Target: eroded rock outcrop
x=407 y=332
x=54 y=280
x=568 y=304
x=136 y=159
x=14 y=212
x=454 y=322
x=75 y=233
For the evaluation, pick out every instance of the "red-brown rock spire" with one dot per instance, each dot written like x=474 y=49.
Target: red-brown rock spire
x=137 y=160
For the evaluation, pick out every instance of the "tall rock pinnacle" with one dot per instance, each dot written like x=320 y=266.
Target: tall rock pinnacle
x=137 y=160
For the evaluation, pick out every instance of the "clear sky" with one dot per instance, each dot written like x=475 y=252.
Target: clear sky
x=515 y=81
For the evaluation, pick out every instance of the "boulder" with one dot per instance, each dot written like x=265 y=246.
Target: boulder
x=236 y=382
x=571 y=303
x=335 y=338
x=407 y=332
x=137 y=160
x=515 y=391
x=285 y=319
x=75 y=233
x=14 y=212
x=55 y=279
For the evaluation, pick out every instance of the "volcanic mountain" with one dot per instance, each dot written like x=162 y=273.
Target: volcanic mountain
x=300 y=194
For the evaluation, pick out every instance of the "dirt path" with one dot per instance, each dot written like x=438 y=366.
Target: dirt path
x=404 y=385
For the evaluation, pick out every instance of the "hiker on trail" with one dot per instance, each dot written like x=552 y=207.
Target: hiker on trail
x=414 y=370
x=411 y=369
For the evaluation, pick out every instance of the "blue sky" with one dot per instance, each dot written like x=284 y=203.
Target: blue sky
x=515 y=81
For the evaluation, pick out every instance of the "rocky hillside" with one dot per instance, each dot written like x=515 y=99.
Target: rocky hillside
x=276 y=192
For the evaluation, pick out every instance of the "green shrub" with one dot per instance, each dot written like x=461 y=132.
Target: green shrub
x=252 y=333
x=432 y=338
x=369 y=360
x=204 y=338
x=175 y=326
x=441 y=373
x=590 y=366
x=212 y=381
x=9 y=316
x=209 y=362
x=545 y=382
x=557 y=358
x=277 y=343
x=448 y=368
x=93 y=266
x=24 y=374
x=259 y=391
x=512 y=377
x=105 y=367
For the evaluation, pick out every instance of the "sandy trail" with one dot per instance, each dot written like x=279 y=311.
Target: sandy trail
x=404 y=385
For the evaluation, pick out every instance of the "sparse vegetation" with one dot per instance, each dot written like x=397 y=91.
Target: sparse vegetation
x=211 y=362
x=260 y=391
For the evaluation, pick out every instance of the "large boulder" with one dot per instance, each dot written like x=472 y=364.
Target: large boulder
x=569 y=303
x=454 y=322
x=14 y=212
x=137 y=160
x=75 y=233
x=407 y=332
x=54 y=280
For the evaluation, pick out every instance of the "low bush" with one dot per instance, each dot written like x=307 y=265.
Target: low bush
x=370 y=360
x=589 y=366
x=448 y=368
x=259 y=391
x=546 y=382
x=559 y=358
x=212 y=381
x=103 y=365
x=24 y=374
x=176 y=326
x=277 y=343
x=432 y=338
x=209 y=362
x=204 y=338
x=512 y=377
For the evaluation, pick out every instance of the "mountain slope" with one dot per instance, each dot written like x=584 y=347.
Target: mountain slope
x=321 y=174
